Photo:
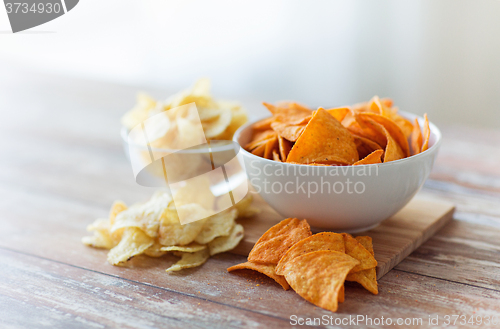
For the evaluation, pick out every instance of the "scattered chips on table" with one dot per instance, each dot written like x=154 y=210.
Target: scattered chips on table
x=153 y=228
x=315 y=266
x=274 y=243
x=219 y=118
x=338 y=136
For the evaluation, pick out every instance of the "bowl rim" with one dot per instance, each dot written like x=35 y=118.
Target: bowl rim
x=407 y=115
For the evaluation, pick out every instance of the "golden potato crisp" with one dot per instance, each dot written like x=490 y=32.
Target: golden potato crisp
x=116 y=208
x=319 y=276
x=372 y=158
x=217 y=225
x=320 y=241
x=225 y=243
x=190 y=259
x=367 y=278
x=134 y=242
x=192 y=247
x=356 y=250
x=275 y=242
x=172 y=233
x=266 y=269
x=324 y=140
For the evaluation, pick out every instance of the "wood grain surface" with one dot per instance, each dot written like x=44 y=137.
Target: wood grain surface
x=62 y=166
x=393 y=240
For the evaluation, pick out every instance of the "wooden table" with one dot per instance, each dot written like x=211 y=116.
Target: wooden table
x=62 y=166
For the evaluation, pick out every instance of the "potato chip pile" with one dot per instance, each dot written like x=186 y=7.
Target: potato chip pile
x=220 y=119
x=365 y=133
x=315 y=266
x=153 y=229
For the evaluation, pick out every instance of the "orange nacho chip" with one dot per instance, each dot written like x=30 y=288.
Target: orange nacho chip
x=264 y=124
x=392 y=150
x=320 y=241
x=287 y=131
x=319 y=276
x=324 y=139
x=339 y=113
x=271 y=144
x=365 y=146
x=356 y=250
x=285 y=146
x=288 y=112
x=367 y=278
x=372 y=158
x=266 y=269
x=391 y=127
x=341 y=297
x=427 y=133
x=276 y=156
x=416 y=140
x=276 y=241
x=259 y=150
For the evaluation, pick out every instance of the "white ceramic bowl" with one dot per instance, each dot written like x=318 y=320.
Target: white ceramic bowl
x=347 y=199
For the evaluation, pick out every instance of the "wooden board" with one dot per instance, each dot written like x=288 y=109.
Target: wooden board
x=393 y=240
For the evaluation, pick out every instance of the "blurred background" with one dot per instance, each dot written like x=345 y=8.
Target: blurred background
x=440 y=57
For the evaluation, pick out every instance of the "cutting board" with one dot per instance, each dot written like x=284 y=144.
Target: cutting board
x=393 y=240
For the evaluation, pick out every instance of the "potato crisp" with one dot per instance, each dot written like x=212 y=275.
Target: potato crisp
x=315 y=266
x=153 y=229
x=338 y=136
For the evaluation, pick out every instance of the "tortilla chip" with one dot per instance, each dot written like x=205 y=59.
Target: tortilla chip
x=416 y=139
x=285 y=146
x=319 y=276
x=392 y=150
x=324 y=139
x=365 y=146
x=427 y=133
x=320 y=241
x=271 y=145
x=289 y=112
x=276 y=241
x=391 y=127
x=372 y=158
x=267 y=270
x=367 y=278
x=287 y=131
x=264 y=124
x=276 y=156
x=356 y=250
x=339 y=113
x=259 y=150
x=342 y=294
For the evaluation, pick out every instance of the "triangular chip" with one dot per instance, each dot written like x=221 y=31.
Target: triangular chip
x=367 y=278
x=427 y=133
x=365 y=146
x=339 y=113
x=319 y=276
x=324 y=139
x=289 y=112
x=416 y=139
x=391 y=127
x=356 y=250
x=392 y=150
x=372 y=158
x=273 y=244
x=287 y=131
x=271 y=145
x=285 y=146
x=266 y=269
x=320 y=241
